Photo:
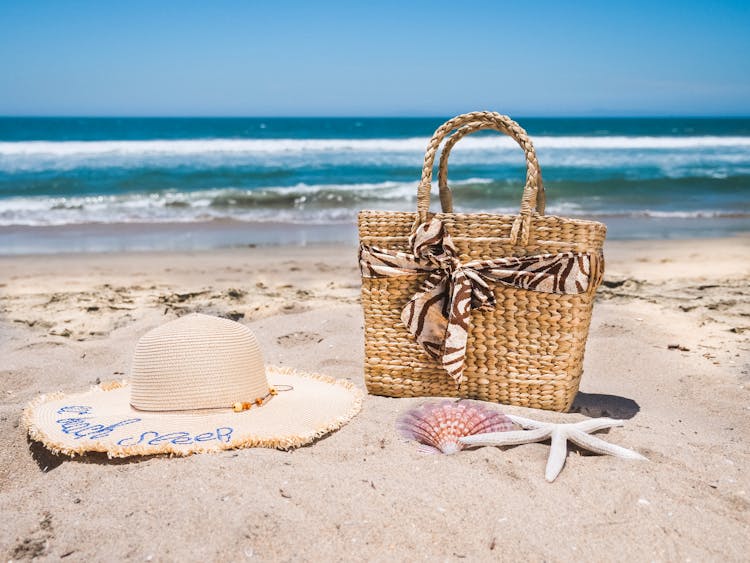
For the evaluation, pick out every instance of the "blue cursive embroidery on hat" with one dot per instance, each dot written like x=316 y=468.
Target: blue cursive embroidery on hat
x=224 y=434
x=152 y=438
x=75 y=409
x=82 y=428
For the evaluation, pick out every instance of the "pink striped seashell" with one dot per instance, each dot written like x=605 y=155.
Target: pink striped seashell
x=438 y=426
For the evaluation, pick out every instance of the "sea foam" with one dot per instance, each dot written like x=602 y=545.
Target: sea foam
x=225 y=146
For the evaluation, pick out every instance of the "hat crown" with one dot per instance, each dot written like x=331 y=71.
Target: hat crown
x=197 y=362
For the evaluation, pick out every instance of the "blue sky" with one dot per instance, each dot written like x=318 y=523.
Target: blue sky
x=374 y=58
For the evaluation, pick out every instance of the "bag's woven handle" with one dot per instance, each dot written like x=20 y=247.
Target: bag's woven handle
x=521 y=227
x=446 y=196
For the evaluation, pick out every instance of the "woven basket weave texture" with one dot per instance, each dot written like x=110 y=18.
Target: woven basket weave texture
x=528 y=349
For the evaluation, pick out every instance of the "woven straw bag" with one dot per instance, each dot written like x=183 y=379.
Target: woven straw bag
x=528 y=349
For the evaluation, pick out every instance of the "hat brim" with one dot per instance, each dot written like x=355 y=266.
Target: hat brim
x=102 y=420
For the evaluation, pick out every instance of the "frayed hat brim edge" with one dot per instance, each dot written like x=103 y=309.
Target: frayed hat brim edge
x=288 y=442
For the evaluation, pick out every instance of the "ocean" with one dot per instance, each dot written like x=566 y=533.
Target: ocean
x=647 y=178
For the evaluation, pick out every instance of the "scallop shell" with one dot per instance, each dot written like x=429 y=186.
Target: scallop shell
x=438 y=426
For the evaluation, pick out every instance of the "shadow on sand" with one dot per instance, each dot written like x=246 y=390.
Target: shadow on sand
x=597 y=405
x=47 y=460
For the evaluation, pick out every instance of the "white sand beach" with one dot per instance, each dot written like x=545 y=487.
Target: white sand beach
x=669 y=351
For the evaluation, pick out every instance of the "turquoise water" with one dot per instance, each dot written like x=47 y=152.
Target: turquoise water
x=673 y=177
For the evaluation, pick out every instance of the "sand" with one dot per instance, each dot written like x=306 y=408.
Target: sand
x=669 y=351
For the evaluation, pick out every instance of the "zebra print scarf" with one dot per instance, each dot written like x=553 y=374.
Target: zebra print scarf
x=439 y=315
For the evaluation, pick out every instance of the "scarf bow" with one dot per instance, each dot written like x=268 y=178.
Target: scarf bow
x=439 y=314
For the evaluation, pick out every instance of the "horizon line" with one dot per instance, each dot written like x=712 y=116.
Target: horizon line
x=384 y=116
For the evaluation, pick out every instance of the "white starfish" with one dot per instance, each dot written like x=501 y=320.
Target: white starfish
x=576 y=432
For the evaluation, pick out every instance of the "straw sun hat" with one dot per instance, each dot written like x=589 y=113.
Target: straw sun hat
x=198 y=384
